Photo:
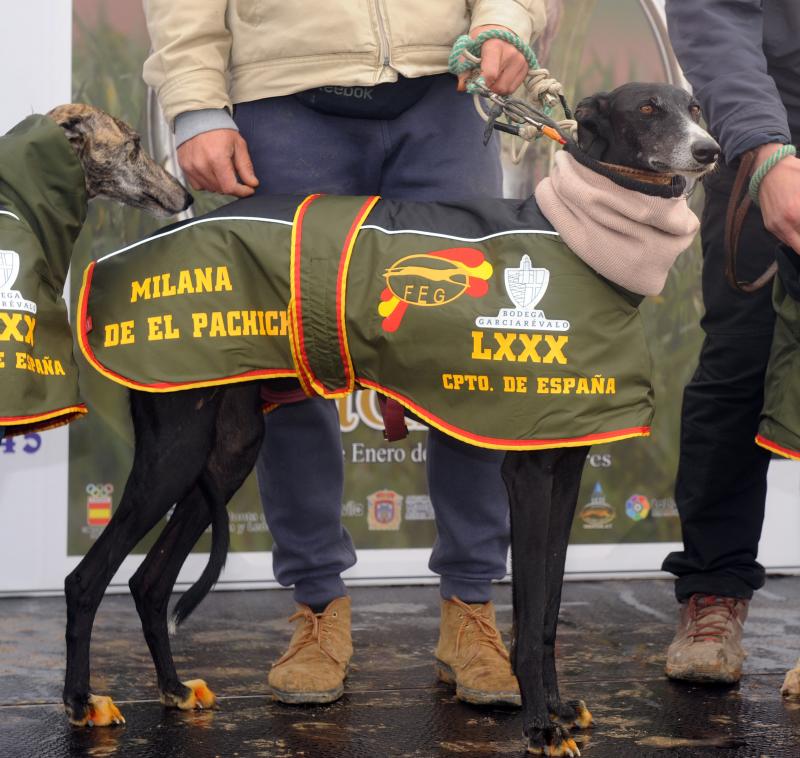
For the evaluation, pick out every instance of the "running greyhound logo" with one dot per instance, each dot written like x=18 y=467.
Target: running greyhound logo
x=432 y=280
x=12 y=300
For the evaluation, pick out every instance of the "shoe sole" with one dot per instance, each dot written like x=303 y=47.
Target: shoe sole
x=303 y=698
x=703 y=677
x=476 y=697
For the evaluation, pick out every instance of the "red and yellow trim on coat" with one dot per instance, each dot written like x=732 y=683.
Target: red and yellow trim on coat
x=85 y=326
x=295 y=297
x=40 y=422
x=774 y=447
x=495 y=443
x=308 y=379
x=341 y=295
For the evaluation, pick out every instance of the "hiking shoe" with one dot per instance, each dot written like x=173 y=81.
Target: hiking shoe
x=708 y=644
x=471 y=655
x=314 y=667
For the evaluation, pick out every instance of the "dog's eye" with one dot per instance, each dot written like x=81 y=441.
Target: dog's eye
x=648 y=109
x=694 y=111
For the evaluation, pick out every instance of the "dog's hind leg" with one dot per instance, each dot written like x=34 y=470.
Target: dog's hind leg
x=173 y=436
x=529 y=478
x=151 y=587
x=566 y=484
x=239 y=433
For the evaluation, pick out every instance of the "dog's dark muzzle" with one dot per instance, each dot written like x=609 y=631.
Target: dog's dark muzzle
x=705 y=151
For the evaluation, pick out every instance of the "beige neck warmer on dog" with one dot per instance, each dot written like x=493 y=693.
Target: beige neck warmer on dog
x=629 y=237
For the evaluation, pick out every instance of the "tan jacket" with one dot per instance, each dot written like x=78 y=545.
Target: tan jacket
x=212 y=53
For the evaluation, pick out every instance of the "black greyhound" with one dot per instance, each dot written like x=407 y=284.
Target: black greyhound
x=195 y=448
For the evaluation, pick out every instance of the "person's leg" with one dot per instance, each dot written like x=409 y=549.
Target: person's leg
x=435 y=152
x=300 y=469
x=721 y=483
x=296 y=150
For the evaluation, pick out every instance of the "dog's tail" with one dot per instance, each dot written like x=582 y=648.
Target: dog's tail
x=220 y=542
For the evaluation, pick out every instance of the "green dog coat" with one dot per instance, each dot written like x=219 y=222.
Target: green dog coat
x=42 y=208
x=475 y=316
x=779 y=428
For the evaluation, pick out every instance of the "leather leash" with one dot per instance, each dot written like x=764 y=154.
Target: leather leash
x=738 y=206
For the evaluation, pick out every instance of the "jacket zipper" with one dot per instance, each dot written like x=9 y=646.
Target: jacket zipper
x=384 y=39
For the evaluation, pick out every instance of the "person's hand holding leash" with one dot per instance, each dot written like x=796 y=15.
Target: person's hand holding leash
x=779 y=197
x=213 y=160
x=502 y=66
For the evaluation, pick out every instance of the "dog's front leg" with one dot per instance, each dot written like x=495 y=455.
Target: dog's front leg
x=566 y=484
x=529 y=480
x=174 y=435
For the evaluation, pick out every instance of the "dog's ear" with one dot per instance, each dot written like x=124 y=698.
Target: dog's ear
x=73 y=119
x=594 y=127
x=75 y=131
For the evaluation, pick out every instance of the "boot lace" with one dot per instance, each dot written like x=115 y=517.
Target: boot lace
x=711 y=617
x=486 y=633
x=316 y=627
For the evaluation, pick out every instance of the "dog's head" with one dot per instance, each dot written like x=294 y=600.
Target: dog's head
x=651 y=127
x=114 y=163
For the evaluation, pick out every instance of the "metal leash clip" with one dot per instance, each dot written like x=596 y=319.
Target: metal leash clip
x=522 y=119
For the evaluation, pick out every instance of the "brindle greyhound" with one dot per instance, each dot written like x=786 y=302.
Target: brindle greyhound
x=114 y=164
x=195 y=448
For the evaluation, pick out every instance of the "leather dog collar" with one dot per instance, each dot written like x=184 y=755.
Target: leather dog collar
x=646 y=182
x=649 y=177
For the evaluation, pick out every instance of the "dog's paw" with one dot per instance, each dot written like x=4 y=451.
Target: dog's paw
x=791 y=685
x=584 y=717
x=574 y=715
x=196 y=695
x=98 y=711
x=553 y=740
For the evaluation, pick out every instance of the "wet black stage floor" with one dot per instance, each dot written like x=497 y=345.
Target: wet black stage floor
x=611 y=646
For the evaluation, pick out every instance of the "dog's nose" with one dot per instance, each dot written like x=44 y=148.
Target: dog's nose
x=187 y=202
x=705 y=152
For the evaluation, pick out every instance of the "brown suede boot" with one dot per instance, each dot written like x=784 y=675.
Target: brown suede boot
x=708 y=644
x=471 y=655
x=314 y=667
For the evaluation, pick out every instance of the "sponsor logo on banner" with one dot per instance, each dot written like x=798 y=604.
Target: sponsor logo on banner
x=597 y=513
x=599 y=460
x=30 y=443
x=431 y=280
x=352 y=509
x=98 y=504
x=663 y=507
x=637 y=507
x=419 y=508
x=525 y=286
x=12 y=300
x=384 y=511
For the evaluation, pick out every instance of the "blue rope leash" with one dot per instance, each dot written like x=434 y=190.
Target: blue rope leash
x=465 y=55
x=784 y=151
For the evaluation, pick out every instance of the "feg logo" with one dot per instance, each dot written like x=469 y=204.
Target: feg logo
x=431 y=280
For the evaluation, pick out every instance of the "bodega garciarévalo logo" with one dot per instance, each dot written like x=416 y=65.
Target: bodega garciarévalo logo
x=431 y=280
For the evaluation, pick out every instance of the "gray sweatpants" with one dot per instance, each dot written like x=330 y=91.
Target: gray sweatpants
x=433 y=151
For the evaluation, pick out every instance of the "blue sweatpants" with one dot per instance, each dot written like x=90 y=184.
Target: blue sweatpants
x=433 y=151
